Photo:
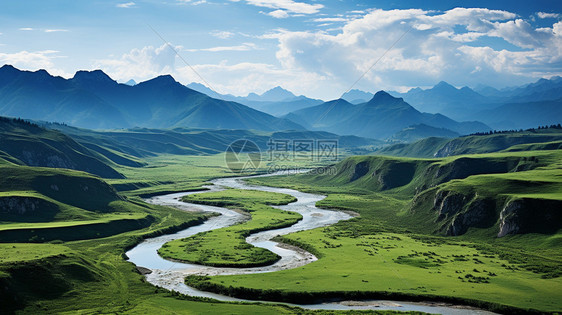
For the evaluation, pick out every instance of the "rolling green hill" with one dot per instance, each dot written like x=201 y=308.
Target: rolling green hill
x=440 y=147
x=131 y=144
x=28 y=144
x=449 y=196
x=479 y=229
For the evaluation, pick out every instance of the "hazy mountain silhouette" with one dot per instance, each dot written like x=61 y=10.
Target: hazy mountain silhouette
x=91 y=99
x=276 y=102
x=357 y=96
x=445 y=99
x=381 y=117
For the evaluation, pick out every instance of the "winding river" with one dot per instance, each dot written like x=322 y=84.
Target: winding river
x=170 y=275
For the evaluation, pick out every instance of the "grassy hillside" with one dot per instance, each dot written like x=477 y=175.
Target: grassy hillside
x=504 y=209
x=144 y=142
x=28 y=144
x=440 y=147
x=407 y=180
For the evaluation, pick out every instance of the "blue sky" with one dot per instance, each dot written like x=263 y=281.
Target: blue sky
x=311 y=47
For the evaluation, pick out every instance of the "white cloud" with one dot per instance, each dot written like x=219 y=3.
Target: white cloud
x=433 y=49
x=140 y=64
x=222 y=34
x=453 y=46
x=243 y=47
x=126 y=5
x=545 y=15
x=332 y=19
x=33 y=60
x=238 y=79
x=243 y=78
x=289 y=6
x=279 y=14
x=191 y=2
x=46 y=30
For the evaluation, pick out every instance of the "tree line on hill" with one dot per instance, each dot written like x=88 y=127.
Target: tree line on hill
x=493 y=132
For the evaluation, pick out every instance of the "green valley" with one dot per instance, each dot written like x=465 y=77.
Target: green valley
x=503 y=210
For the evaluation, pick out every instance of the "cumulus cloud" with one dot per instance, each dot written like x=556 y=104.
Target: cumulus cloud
x=285 y=8
x=245 y=77
x=451 y=46
x=545 y=15
x=141 y=64
x=278 y=14
x=33 y=60
x=461 y=46
x=238 y=78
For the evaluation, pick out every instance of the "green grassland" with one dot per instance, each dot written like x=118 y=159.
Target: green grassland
x=172 y=173
x=227 y=246
x=24 y=143
x=82 y=269
x=400 y=237
x=395 y=265
x=91 y=276
x=63 y=232
x=541 y=139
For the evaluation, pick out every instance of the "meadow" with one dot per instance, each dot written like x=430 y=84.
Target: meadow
x=227 y=247
x=405 y=253
x=395 y=249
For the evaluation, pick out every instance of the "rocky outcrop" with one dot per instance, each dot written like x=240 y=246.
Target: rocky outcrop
x=361 y=169
x=384 y=175
x=530 y=215
x=448 y=203
x=458 y=212
x=22 y=205
x=480 y=213
x=396 y=175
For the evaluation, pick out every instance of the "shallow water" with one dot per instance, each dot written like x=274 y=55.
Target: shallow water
x=170 y=275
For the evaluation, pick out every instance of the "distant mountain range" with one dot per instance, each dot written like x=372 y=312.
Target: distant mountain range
x=381 y=117
x=357 y=96
x=422 y=131
x=276 y=102
x=91 y=99
x=445 y=99
x=523 y=107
